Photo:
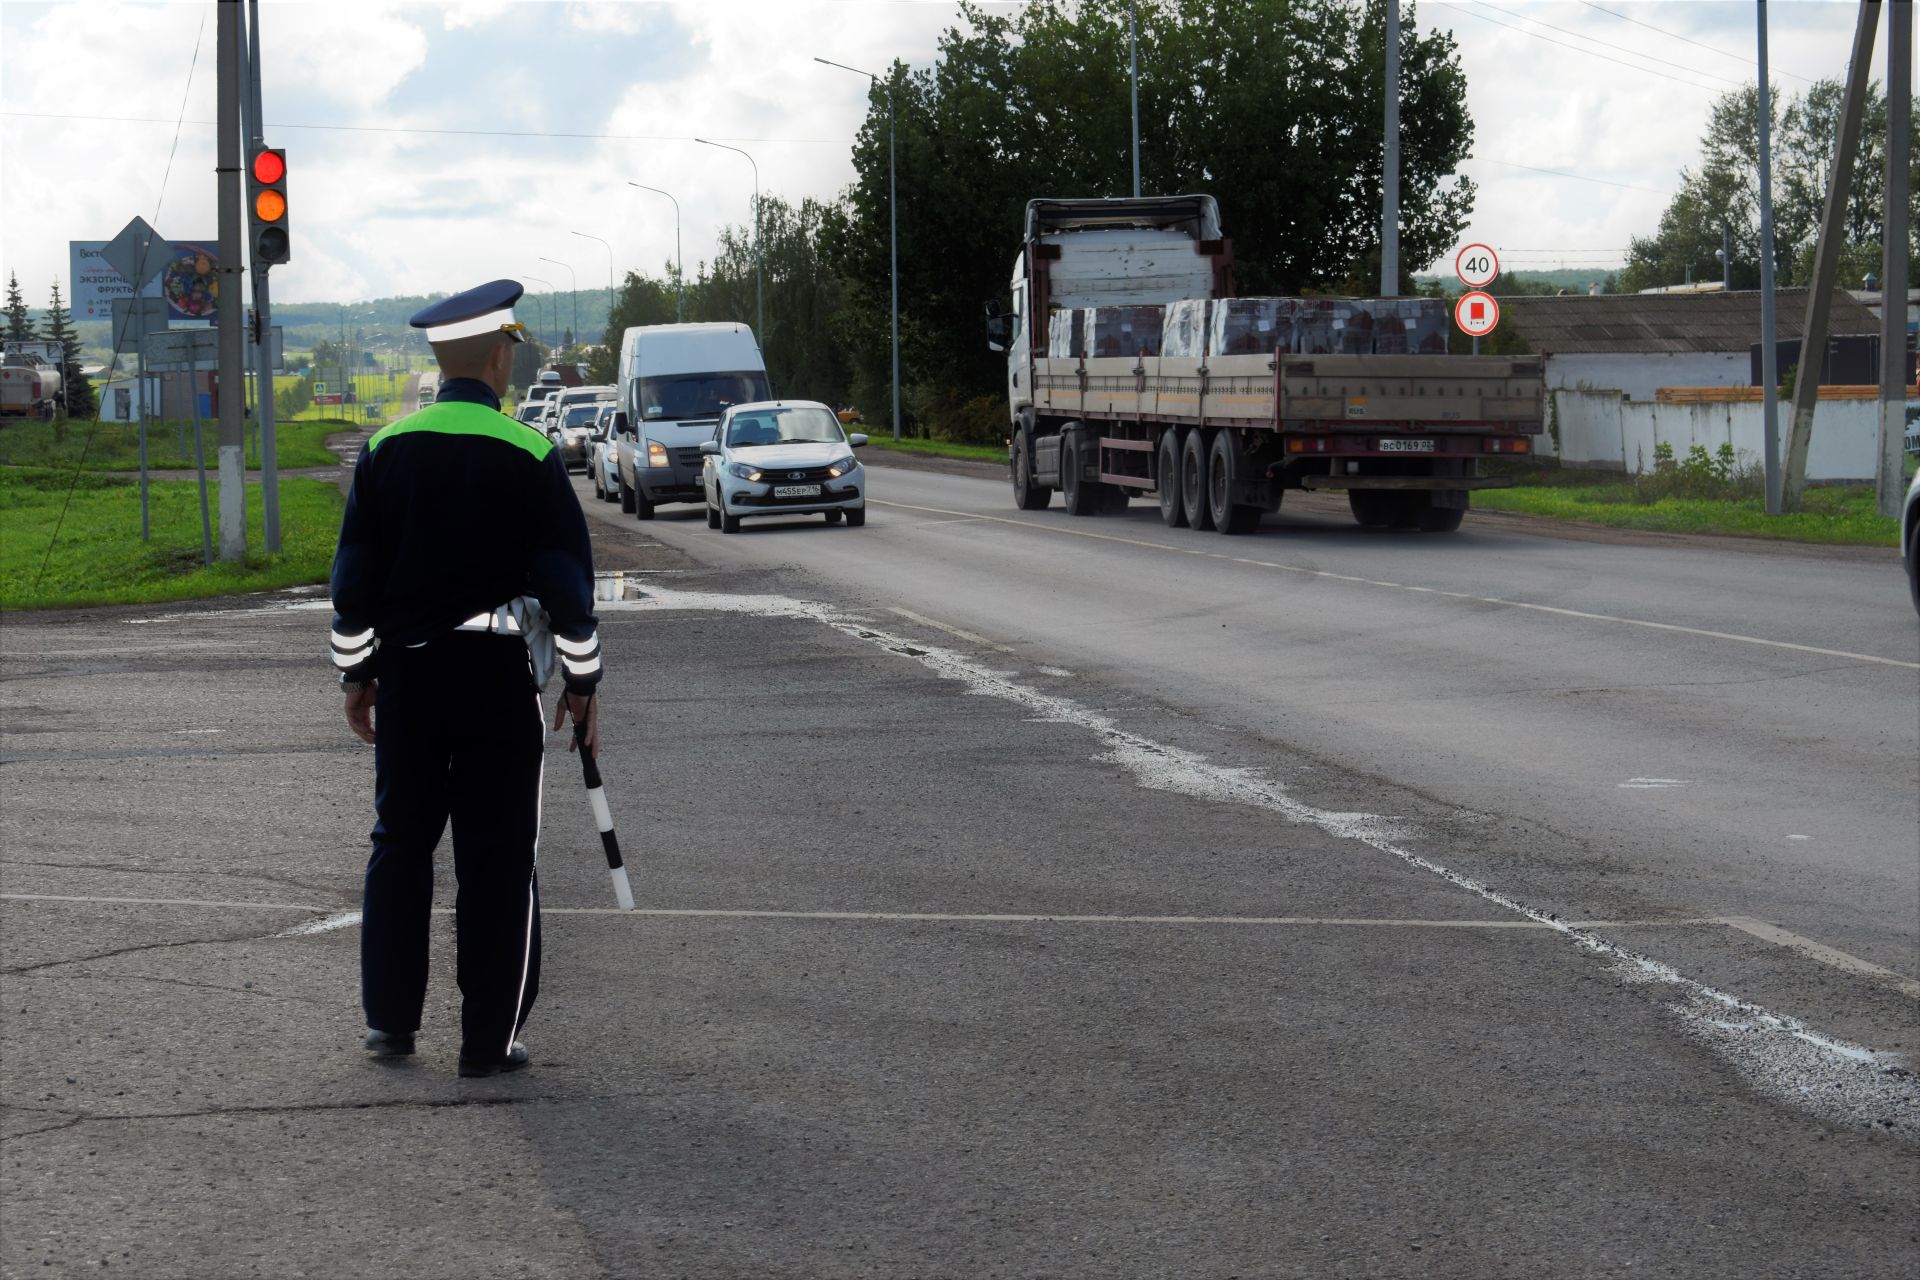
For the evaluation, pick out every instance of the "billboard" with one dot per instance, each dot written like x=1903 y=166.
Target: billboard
x=190 y=283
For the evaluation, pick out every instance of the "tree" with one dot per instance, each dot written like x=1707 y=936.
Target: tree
x=76 y=390
x=1273 y=106
x=19 y=327
x=1725 y=189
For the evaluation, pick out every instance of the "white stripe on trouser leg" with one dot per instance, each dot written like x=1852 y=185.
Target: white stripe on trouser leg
x=526 y=953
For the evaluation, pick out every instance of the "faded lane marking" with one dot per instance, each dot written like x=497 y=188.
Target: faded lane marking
x=1651 y=784
x=1824 y=954
x=339 y=920
x=950 y=629
x=1777 y=1054
x=1431 y=591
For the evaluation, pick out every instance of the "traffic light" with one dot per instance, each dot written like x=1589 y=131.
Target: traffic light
x=267 y=206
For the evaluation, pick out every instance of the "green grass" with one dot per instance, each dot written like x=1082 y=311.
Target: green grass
x=116 y=445
x=938 y=448
x=1833 y=514
x=99 y=558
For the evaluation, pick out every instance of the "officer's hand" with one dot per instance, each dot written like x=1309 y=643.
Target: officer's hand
x=360 y=712
x=584 y=710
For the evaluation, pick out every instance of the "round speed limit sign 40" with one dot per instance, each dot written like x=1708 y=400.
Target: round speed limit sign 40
x=1477 y=265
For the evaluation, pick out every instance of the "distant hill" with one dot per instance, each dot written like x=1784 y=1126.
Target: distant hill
x=1572 y=279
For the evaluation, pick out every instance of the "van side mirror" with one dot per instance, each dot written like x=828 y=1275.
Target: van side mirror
x=620 y=427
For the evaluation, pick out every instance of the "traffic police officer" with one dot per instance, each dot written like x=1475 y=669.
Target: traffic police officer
x=460 y=530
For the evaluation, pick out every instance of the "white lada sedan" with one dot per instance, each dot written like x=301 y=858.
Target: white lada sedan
x=782 y=458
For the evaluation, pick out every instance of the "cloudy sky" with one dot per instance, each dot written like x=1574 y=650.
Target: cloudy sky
x=432 y=145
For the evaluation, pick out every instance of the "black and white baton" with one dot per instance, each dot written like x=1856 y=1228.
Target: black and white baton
x=603 y=818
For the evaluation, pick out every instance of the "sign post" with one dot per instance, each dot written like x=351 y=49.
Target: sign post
x=1478 y=266
x=139 y=255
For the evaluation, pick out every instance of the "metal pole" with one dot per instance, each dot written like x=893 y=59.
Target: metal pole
x=140 y=390
x=1769 y=356
x=264 y=408
x=1826 y=263
x=609 y=248
x=1133 y=80
x=679 y=263
x=893 y=249
x=233 y=376
x=1894 y=273
x=199 y=452
x=1726 y=257
x=573 y=292
x=549 y=284
x=1390 y=172
x=759 y=295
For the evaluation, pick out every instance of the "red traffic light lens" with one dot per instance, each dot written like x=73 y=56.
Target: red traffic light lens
x=269 y=166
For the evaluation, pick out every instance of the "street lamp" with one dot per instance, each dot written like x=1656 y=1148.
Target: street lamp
x=609 y=248
x=552 y=320
x=893 y=235
x=573 y=291
x=759 y=296
x=679 y=263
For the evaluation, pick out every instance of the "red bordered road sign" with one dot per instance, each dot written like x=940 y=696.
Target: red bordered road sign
x=1476 y=313
x=1477 y=265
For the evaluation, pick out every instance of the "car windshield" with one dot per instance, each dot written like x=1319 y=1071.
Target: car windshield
x=800 y=425
x=582 y=415
x=699 y=395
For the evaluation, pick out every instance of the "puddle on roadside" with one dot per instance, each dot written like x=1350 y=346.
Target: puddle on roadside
x=616 y=584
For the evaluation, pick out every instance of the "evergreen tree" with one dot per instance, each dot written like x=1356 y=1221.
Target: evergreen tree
x=76 y=391
x=19 y=328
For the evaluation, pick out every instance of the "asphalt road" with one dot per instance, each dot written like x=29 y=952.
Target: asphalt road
x=1025 y=897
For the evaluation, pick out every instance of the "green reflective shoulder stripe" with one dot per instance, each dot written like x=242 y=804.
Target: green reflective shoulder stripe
x=464 y=418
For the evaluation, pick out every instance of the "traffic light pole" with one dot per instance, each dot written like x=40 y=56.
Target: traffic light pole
x=233 y=377
x=263 y=406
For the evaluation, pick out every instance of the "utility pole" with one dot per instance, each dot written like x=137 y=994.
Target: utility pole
x=759 y=293
x=1769 y=353
x=263 y=406
x=679 y=263
x=233 y=377
x=1726 y=257
x=1133 y=79
x=573 y=292
x=1826 y=259
x=1894 y=273
x=893 y=225
x=1390 y=176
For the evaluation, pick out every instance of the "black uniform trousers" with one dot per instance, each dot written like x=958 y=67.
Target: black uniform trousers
x=458 y=733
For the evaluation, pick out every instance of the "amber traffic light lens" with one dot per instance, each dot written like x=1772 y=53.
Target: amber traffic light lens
x=269 y=166
x=269 y=206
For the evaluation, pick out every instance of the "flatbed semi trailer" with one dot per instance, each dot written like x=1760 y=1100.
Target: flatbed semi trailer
x=1105 y=405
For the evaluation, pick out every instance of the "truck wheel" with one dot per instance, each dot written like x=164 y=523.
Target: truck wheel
x=1441 y=519
x=1227 y=515
x=1372 y=508
x=1172 y=511
x=1027 y=495
x=626 y=499
x=1081 y=496
x=1193 y=479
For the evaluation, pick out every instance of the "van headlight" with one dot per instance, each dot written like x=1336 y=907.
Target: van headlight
x=657 y=454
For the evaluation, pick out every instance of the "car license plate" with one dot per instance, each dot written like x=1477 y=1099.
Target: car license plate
x=796 y=491
x=1406 y=446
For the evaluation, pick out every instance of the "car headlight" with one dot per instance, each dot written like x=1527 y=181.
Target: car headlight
x=843 y=467
x=742 y=470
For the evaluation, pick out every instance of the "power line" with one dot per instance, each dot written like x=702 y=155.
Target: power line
x=380 y=128
x=1577 y=177
x=1674 y=35
x=1576 y=48
x=1579 y=35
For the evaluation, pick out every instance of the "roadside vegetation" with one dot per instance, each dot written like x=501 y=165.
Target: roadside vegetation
x=115 y=446
x=935 y=448
x=98 y=557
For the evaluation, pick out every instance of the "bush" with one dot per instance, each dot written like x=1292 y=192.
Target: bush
x=1721 y=474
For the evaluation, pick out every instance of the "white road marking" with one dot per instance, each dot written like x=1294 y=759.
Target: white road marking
x=219 y=903
x=1060 y=672
x=1824 y=954
x=339 y=920
x=1581 y=614
x=950 y=629
x=1652 y=784
x=1776 y=1053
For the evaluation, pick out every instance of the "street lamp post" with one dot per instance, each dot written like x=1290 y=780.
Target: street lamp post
x=573 y=291
x=609 y=248
x=679 y=263
x=893 y=231
x=759 y=296
x=552 y=320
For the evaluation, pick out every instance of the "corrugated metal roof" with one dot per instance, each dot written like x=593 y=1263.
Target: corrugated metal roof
x=1668 y=322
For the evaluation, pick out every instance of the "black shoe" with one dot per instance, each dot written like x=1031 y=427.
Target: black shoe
x=515 y=1060
x=390 y=1044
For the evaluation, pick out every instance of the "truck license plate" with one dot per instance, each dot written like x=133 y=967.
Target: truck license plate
x=1406 y=446
x=796 y=491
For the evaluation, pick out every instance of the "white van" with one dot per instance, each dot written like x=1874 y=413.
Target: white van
x=675 y=381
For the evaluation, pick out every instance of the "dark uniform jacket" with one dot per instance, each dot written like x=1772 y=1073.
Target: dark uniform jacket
x=456 y=510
